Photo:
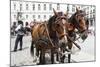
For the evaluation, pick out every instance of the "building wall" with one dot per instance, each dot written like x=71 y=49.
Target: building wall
x=43 y=10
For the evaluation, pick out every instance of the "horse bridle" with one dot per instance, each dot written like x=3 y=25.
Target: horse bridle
x=78 y=26
x=56 y=32
x=62 y=35
x=59 y=18
x=78 y=21
x=69 y=36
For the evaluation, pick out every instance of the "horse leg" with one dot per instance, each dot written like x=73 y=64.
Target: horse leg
x=52 y=57
x=63 y=57
x=37 y=52
x=69 y=55
x=57 y=55
x=43 y=57
x=40 y=59
x=32 y=48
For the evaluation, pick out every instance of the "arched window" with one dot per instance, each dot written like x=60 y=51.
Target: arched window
x=50 y=6
x=39 y=16
x=39 y=7
x=26 y=6
x=26 y=16
x=20 y=7
x=33 y=6
x=44 y=16
x=44 y=6
x=14 y=6
x=58 y=6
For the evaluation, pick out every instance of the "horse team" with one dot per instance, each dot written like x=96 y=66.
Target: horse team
x=57 y=35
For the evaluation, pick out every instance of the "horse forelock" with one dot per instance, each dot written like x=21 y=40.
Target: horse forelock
x=72 y=19
x=51 y=21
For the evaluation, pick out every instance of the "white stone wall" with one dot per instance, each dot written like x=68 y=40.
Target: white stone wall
x=42 y=15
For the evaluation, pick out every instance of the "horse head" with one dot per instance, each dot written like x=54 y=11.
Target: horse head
x=57 y=24
x=80 y=22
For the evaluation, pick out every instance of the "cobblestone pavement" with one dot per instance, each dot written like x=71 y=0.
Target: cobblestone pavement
x=24 y=58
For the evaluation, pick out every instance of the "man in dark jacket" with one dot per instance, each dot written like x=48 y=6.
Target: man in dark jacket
x=20 y=33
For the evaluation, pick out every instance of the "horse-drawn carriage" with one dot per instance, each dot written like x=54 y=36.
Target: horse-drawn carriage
x=58 y=35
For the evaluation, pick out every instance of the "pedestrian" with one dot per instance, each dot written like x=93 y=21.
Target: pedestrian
x=27 y=28
x=13 y=28
x=20 y=33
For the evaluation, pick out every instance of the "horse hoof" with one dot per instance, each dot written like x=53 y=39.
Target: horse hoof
x=35 y=60
x=56 y=62
x=40 y=63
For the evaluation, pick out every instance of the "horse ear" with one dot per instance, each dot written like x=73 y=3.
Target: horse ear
x=66 y=14
x=77 y=9
x=54 y=11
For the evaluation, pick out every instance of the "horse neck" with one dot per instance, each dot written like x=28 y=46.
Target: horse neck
x=52 y=34
x=73 y=20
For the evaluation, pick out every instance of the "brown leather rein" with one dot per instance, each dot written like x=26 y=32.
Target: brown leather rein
x=61 y=36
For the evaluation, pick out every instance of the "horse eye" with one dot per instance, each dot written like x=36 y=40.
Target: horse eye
x=57 y=25
x=65 y=15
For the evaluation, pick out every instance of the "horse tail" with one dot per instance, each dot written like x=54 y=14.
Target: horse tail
x=32 y=49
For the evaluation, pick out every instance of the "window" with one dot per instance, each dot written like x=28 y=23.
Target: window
x=44 y=16
x=87 y=16
x=73 y=8
x=93 y=10
x=50 y=6
x=14 y=16
x=20 y=7
x=39 y=16
x=93 y=16
x=26 y=16
x=58 y=6
x=44 y=6
x=39 y=7
x=33 y=16
x=82 y=6
x=14 y=6
x=68 y=7
x=19 y=14
x=49 y=16
x=87 y=7
x=33 y=6
x=90 y=15
x=91 y=22
x=26 y=6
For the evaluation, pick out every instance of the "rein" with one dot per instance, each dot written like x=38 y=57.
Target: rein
x=48 y=35
x=74 y=43
x=81 y=35
x=71 y=39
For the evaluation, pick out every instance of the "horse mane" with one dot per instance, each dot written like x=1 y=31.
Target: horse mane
x=52 y=33
x=51 y=21
x=72 y=19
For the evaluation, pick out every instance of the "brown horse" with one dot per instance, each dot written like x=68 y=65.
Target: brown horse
x=79 y=22
x=46 y=35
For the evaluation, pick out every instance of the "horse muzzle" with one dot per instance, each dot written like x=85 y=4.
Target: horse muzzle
x=84 y=35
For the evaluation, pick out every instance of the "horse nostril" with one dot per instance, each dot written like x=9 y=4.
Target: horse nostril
x=82 y=31
x=79 y=20
x=84 y=37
